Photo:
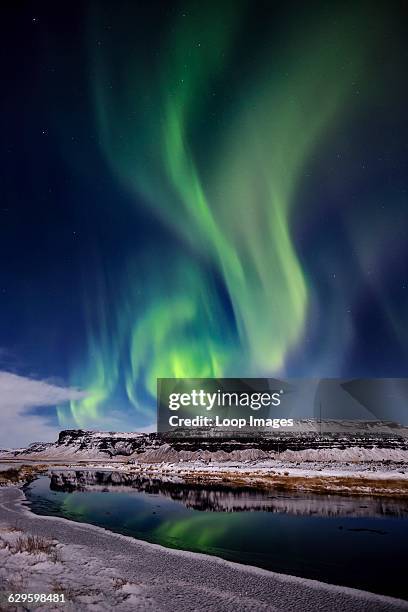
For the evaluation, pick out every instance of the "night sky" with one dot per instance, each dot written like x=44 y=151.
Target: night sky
x=200 y=189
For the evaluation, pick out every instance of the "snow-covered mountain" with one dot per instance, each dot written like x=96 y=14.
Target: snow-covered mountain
x=333 y=440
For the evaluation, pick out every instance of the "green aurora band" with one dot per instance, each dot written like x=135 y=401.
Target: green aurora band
x=229 y=202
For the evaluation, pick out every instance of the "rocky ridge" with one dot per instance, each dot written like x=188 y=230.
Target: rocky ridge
x=374 y=440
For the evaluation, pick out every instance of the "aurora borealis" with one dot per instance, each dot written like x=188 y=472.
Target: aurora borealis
x=210 y=189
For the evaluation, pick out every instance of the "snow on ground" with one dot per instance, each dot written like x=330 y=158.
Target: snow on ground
x=55 y=570
x=99 y=570
x=351 y=478
x=354 y=453
x=308 y=469
x=303 y=470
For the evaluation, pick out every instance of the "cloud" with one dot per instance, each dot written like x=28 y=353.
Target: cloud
x=19 y=426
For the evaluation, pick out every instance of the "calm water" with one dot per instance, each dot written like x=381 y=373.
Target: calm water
x=358 y=542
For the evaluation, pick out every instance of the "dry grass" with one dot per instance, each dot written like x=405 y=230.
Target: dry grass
x=10 y=475
x=64 y=589
x=55 y=555
x=118 y=583
x=346 y=485
x=33 y=544
x=21 y=474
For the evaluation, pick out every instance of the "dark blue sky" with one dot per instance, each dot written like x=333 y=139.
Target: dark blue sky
x=78 y=246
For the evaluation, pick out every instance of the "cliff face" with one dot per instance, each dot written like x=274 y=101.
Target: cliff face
x=371 y=441
x=108 y=444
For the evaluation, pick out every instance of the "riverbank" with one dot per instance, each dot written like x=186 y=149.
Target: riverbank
x=360 y=478
x=382 y=479
x=97 y=569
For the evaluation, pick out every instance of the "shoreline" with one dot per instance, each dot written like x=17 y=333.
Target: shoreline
x=157 y=578
x=269 y=476
x=350 y=479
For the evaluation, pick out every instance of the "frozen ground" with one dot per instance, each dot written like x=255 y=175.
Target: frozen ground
x=381 y=478
x=321 y=467
x=351 y=477
x=346 y=477
x=99 y=570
